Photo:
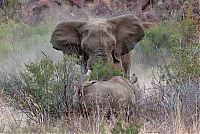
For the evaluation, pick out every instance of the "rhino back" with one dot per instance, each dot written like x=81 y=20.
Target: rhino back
x=114 y=93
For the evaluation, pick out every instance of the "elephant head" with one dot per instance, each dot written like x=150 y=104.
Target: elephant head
x=98 y=39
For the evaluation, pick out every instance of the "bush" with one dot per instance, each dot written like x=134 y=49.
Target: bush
x=162 y=37
x=157 y=43
x=176 y=43
x=9 y=9
x=43 y=89
x=184 y=65
x=104 y=71
x=121 y=129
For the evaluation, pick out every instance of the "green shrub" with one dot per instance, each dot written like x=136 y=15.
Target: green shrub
x=104 y=71
x=184 y=63
x=44 y=89
x=121 y=129
x=162 y=37
x=10 y=9
x=157 y=43
x=173 y=45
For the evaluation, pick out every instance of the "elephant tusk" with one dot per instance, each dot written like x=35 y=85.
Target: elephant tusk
x=86 y=77
x=89 y=72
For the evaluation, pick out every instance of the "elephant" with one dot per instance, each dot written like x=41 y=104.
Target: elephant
x=106 y=40
x=116 y=96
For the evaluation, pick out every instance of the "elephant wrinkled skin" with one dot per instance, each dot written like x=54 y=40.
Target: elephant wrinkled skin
x=114 y=95
x=110 y=41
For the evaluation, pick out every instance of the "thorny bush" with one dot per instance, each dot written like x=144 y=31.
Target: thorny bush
x=44 y=89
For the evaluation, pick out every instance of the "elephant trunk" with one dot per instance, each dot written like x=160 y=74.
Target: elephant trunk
x=99 y=57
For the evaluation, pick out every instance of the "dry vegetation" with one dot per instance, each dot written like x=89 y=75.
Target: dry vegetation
x=32 y=98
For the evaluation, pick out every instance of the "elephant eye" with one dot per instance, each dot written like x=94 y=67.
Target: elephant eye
x=111 y=46
x=131 y=34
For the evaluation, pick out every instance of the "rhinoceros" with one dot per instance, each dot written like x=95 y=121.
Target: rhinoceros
x=116 y=96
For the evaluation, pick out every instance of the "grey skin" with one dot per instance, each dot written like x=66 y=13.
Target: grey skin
x=116 y=95
x=110 y=41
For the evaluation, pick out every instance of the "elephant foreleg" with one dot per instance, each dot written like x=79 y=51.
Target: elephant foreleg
x=126 y=64
x=118 y=66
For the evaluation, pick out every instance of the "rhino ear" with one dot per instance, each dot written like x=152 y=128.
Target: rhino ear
x=66 y=37
x=129 y=31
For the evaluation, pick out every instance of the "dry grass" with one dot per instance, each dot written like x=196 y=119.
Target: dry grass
x=162 y=109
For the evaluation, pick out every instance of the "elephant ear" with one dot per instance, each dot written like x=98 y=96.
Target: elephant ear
x=66 y=37
x=129 y=31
